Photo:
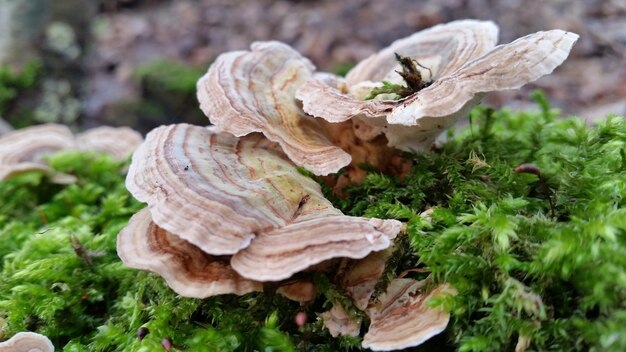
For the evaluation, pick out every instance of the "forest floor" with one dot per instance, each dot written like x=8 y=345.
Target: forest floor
x=135 y=62
x=591 y=84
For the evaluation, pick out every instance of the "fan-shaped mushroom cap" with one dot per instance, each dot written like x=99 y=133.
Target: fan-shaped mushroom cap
x=27 y=342
x=254 y=91
x=340 y=323
x=442 y=48
x=190 y=179
x=278 y=254
x=361 y=279
x=302 y=291
x=456 y=87
x=119 y=142
x=508 y=66
x=402 y=318
x=186 y=269
x=23 y=150
x=243 y=196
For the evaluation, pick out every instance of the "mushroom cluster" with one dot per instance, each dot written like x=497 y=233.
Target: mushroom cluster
x=25 y=150
x=228 y=210
x=226 y=213
x=461 y=65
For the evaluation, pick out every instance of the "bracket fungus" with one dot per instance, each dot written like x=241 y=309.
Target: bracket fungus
x=228 y=210
x=119 y=142
x=360 y=281
x=401 y=318
x=302 y=291
x=189 y=271
x=186 y=269
x=253 y=91
x=243 y=197
x=27 y=342
x=24 y=150
x=340 y=323
x=462 y=64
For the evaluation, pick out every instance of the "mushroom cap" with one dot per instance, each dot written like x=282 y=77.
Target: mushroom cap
x=243 y=196
x=423 y=135
x=119 y=142
x=340 y=323
x=254 y=91
x=186 y=269
x=507 y=66
x=442 y=48
x=278 y=254
x=213 y=189
x=361 y=279
x=456 y=88
x=302 y=291
x=402 y=318
x=23 y=150
x=27 y=342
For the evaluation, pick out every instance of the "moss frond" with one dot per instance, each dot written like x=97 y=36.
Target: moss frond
x=556 y=282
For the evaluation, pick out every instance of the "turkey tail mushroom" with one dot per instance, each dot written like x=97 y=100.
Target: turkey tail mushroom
x=462 y=74
x=24 y=150
x=254 y=91
x=27 y=342
x=186 y=269
x=119 y=142
x=401 y=318
x=243 y=196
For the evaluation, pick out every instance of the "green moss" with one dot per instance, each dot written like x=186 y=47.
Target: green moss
x=11 y=82
x=168 y=95
x=342 y=68
x=558 y=281
x=17 y=89
x=46 y=285
x=170 y=75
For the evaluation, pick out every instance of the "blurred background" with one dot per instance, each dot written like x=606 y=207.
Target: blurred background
x=135 y=62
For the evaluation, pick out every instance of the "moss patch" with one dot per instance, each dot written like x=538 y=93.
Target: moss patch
x=524 y=275
x=18 y=93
